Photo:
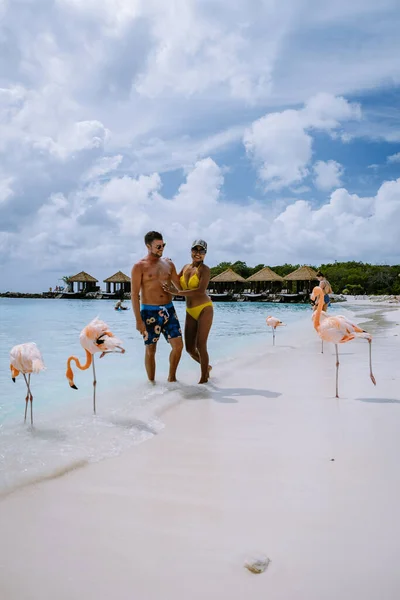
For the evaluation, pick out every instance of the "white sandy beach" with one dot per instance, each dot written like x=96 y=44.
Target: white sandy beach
x=263 y=460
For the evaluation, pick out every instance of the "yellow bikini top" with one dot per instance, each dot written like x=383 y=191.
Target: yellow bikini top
x=192 y=284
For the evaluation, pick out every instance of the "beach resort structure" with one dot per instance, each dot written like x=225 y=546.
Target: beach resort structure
x=118 y=282
x=225 y=284
x=302 y=280
x=264 y=286
x=265 y=280
x=84 y=281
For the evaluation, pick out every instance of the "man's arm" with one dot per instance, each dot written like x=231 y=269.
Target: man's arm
x=136 y=284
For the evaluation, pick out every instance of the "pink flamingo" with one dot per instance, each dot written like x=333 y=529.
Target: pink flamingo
x=274 y=323
x=338 y=330
x=95 y=337
x=323 y=316
x=26 y=359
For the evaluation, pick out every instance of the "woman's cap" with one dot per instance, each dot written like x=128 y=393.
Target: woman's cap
x=200 y=243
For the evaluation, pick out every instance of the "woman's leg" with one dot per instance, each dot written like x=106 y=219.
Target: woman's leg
x=190 y=337
x=203 y=329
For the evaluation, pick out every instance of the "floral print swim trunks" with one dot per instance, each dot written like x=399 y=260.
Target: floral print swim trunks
x=160 y=319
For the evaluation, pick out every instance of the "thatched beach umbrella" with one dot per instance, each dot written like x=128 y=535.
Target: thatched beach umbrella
x=228 y=279
x=85 y=282
x=262 y=276
x=305 y=278
x=118 y=281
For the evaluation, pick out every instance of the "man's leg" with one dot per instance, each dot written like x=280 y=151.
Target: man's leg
x=174 y=357
x=150 y=361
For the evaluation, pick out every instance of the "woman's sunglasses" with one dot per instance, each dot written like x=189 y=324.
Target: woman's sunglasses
x=159 y=246
x=199 y=250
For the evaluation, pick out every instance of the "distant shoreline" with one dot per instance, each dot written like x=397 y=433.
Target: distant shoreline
x=60 y=295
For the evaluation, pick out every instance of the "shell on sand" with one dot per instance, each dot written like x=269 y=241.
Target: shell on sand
x=257 y=564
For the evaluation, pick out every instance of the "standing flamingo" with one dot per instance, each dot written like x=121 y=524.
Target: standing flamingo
x=274 y=323
x=323 y=316
x=26 y=359
x=95 y=337
x=338 y=330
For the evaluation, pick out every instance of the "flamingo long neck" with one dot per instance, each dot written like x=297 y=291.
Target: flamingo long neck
x=317 y=318
x=69 y=372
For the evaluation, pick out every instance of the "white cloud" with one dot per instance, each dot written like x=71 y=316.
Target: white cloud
x=6 y=190
x=99 y=98
x=103 y=166
x=100 y=227
x=394 y=158
x=327 y=174
x=281 y=145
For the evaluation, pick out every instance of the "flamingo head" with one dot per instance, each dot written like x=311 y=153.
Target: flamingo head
x=70 y=376
x=14 y=372
x=317 y=291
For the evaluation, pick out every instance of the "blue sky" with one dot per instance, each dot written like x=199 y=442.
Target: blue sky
x=271 y=130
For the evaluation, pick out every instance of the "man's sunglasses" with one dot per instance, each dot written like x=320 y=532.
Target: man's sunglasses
x=199 y=250
x=160 y=246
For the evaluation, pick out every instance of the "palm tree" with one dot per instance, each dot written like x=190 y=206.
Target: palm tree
x=67 y=280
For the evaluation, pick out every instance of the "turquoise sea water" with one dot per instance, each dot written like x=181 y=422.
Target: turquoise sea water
x=65 y=431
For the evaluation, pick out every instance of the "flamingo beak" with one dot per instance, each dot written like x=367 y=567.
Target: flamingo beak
x=73 y=386
x=13 y=378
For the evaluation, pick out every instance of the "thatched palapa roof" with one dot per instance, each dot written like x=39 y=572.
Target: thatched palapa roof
x=82 y=276
x=302 y=274
x=265 y=274
x=227 y=276
x=118 y=277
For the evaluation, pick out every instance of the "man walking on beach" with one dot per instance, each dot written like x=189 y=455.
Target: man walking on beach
x=154 y=312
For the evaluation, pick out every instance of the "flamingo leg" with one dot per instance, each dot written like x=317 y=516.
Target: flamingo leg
x=31 y=397
x=370 y=363
x=94 y=387
x=28 y=397
x=322 y=347
x=273 y=336
x=337 y=371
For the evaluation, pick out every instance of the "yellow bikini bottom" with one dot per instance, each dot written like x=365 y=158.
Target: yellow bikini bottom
x=197 y=310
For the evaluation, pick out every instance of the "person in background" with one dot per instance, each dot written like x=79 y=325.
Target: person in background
x=326 y=288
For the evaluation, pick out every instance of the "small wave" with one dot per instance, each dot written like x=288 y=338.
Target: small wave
x=38 y=478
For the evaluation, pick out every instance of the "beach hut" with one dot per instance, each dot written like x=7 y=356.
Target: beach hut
x=302 y=280
x=265 y=280
x=117 y=282
x=224 y=285
x=84 y=281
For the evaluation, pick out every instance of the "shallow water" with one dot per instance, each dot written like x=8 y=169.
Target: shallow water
x=65 y=433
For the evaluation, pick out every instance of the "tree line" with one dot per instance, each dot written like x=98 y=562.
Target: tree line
x=345 y=277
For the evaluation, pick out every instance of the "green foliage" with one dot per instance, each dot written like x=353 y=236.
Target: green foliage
x=355 y=277
x=220 y=268
x=370 y=279
x=285 y=269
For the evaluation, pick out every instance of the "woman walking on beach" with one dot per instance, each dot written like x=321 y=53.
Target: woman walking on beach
x=193 y=279
x=326 y=288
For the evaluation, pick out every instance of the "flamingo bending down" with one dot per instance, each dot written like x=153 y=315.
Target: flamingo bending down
x=338 y=330
x=26 y=359
x=95 y=337
x=274 y=323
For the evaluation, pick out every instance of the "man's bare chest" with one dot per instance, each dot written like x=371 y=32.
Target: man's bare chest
x=156 y=273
